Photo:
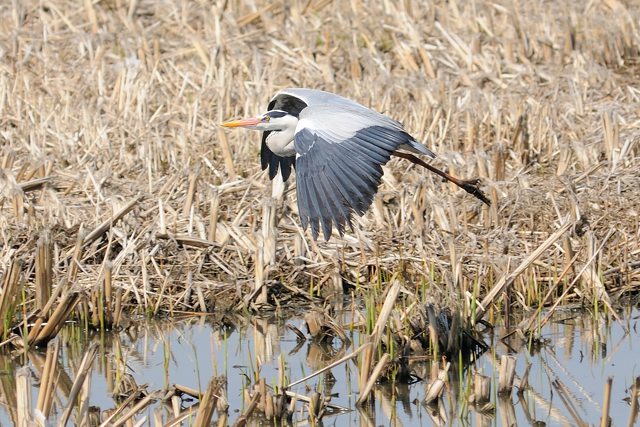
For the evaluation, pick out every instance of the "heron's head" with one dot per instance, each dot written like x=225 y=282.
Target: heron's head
x=274 y=120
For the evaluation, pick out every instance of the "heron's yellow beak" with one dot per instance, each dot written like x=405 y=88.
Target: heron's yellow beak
x=242 y=122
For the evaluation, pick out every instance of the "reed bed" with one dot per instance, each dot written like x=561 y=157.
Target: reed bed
x=114 y=171
x=120 y=196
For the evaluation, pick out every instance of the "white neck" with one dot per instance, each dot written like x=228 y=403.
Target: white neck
x=281 y=142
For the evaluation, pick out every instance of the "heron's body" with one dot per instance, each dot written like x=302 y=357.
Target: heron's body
x=338 y=148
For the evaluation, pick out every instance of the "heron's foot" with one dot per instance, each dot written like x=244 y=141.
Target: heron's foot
x=471 y=187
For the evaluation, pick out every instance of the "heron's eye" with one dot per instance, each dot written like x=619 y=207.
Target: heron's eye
x=266 y=118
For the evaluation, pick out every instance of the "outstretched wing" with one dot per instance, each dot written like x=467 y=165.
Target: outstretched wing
x=340 y=150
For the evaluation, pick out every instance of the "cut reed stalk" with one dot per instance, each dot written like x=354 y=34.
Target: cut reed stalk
x=207 y=403
x=605 y=420
x=436 y=387
x=10 y=290
x=44 y=271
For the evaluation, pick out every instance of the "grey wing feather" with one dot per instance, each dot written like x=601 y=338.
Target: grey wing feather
x=339 y=167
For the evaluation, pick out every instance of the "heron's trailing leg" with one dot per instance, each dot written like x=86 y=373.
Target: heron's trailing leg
x=470 y=185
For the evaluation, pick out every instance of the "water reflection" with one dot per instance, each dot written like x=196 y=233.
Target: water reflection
x=567 y=370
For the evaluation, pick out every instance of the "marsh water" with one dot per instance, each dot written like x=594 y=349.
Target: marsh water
x=579 y=351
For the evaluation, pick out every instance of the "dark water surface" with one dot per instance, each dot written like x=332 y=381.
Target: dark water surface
x=578 y=355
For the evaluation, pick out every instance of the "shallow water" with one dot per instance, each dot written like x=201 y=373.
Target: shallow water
x=579 y=352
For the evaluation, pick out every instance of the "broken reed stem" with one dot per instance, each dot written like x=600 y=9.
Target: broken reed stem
x=42 y=317
x=507 y=279
x=146 y=401
x=178 y=416
x=83 y=371
x=108 y=223
x=242 y=420
x=436 y=387
x=332 y=365
x=382 y=363
x=61 y=313
x=44 y=271
x=123 y=405
x=307 y=399
x=34 y=184
x=604 y=420
x=187 y=240
x=207 y=403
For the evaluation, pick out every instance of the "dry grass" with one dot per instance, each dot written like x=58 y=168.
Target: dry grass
x=108 y=141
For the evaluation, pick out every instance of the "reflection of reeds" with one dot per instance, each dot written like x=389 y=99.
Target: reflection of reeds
x=633 y=410
x=49 y=379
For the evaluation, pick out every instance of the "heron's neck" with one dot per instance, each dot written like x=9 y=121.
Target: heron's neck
x=281 y=142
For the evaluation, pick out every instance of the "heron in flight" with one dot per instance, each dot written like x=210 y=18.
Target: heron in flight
x=338 y=148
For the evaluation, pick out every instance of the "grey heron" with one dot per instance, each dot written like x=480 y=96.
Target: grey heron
x=338 y=148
